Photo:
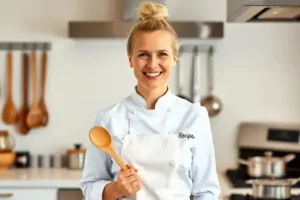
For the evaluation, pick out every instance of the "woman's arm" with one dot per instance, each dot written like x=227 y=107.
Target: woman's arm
x=205 y=180
x=96 y=176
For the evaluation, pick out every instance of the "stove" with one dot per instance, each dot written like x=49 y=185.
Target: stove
x=239 y=177
x=254 y=139
x=249 y=197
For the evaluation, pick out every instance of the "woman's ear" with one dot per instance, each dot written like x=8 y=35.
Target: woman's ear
x=130 y=61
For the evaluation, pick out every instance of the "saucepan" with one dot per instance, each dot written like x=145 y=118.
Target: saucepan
x=272 y=188
x=267 y=166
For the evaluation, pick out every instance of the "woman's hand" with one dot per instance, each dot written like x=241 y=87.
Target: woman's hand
x=128 y=182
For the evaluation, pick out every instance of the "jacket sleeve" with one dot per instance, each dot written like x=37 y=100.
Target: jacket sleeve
x=204 y=174
x=96 y=173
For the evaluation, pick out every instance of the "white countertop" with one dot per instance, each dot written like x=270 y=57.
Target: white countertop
x=66 y=178
x=35 y=177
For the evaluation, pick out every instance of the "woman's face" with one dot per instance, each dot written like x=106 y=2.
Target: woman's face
x=152 y=59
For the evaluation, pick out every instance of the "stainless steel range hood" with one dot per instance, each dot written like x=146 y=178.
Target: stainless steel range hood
x=120 y=28
x=263 y=10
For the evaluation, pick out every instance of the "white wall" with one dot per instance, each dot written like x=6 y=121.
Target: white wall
x=256 y=70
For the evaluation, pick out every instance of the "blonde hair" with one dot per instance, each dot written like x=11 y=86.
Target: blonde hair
x=153 y=17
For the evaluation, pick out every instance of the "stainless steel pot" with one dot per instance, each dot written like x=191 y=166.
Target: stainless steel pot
x=272 y=188
x=267 y=166
x=76 y=157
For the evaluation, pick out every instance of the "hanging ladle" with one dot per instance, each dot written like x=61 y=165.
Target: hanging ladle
x=211 y=102
x=101 y=138
x=180 y=75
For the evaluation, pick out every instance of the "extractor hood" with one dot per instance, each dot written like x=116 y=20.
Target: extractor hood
x=120 y=28
x=263 y=10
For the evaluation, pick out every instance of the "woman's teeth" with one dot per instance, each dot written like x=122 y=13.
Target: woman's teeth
x=153 y=74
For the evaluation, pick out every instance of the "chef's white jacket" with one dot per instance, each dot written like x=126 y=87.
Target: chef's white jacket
x=100 y=169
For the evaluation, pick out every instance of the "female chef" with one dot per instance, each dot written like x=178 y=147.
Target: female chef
x=165 y=140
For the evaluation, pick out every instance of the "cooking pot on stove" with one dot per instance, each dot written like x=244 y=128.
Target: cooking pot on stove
x=267 y=166
x=272 y=188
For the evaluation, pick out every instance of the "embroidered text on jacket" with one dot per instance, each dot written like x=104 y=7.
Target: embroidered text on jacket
x=188 y=136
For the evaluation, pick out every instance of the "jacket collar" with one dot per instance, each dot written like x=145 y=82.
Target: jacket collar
x=164 y=103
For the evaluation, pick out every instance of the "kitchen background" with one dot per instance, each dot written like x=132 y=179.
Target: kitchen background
x=257 y=69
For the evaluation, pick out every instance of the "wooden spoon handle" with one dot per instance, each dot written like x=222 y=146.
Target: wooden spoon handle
x=9 y=73
x=25 y=58
x=44 y=73
x=34 y=78
x=119 y=161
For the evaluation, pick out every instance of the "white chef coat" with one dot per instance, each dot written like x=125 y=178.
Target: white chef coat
x=189 y=120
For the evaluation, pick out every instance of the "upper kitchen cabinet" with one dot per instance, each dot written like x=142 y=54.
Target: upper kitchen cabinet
x=245 y=11
x=190 y=29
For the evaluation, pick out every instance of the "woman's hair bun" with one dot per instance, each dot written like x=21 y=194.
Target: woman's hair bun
x=150 y=10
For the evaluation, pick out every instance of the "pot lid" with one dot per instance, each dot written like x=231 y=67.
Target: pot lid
x=3 y=133
x=270 y=158
x=271 y=182
x=76 y=150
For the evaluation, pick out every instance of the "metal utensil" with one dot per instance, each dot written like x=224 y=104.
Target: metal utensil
x=180 y=75
x=211 y=102
x=267 y=166
x=272 y=188
x=196 y=75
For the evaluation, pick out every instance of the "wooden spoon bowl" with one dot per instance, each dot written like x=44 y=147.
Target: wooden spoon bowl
x=10 y=113
x=34 y=118
x=101 y=138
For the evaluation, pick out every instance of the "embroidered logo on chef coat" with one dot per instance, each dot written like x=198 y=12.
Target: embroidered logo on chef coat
x=188 y=136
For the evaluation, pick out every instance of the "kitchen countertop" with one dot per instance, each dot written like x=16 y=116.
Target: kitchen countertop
x=40 y=177
x=67 y=178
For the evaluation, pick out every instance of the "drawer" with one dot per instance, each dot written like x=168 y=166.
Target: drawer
x=28 y=194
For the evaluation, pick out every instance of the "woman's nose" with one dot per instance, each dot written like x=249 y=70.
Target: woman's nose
x=152 y=62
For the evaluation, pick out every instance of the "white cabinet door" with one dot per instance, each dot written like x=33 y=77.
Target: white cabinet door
x=27 y=194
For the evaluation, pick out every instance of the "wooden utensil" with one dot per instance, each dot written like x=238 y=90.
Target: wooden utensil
x=22 y=124
x=35 y=116
x=42 y=103
x=100 y=137
x=10 y=113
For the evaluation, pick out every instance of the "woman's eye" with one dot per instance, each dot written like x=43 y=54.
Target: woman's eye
x=142 y=55
x=163 y=54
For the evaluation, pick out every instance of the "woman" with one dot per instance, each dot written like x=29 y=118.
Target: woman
x=165 y=140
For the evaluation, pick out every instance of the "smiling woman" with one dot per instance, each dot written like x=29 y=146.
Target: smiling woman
x=152 y=49
x=165 y=141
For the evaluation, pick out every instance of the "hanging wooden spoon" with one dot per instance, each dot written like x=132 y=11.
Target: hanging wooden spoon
x=102 y=140
x=35 y=116
x=22 y=124
x=42 y=103
x=10 y=113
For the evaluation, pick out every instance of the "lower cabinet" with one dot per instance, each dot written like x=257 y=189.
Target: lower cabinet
x=28 y=194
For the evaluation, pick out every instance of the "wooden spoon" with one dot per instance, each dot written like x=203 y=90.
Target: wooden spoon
x=22 y=125
x=35 y=116
x=42 y=103
x=10 y=113
x=102 y=140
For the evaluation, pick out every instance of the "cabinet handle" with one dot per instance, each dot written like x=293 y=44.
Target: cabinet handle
x=6 y=195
